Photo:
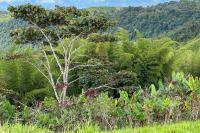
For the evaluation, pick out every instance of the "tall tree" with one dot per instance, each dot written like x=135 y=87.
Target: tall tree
x=58 y=22
x=52 y=27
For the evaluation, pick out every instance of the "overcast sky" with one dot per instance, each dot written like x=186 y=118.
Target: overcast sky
x=82 y=3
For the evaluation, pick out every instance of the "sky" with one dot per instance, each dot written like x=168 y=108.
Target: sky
x=82 y=3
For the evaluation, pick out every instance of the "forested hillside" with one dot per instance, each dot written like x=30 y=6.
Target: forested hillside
x=4 y=17
x=5 y=28
x=105 y=9
x=178 y=20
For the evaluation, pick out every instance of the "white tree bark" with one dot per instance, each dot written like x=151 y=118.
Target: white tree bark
x=64 y=70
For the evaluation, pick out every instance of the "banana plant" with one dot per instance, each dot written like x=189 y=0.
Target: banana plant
x=194 y=84
x=194 y=87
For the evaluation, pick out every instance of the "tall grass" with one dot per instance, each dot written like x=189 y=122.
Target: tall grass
x=18 y=128
x=183 y=127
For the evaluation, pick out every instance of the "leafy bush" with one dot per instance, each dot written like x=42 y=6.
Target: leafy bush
x=174 y=100
x=7 y=111
x=23 y=79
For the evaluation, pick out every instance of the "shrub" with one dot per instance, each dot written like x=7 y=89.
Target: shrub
x=7 y=111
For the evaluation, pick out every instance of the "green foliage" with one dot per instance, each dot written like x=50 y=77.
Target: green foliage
x=7 y=111
x=189 y=127
x=63 y=21
x=104 y=10
x=156 y=20
x=174 y=100
x=153 y=59
x=43 y=119
x=26 y=114
x=186 y=58
x=19 y=128
x=120 y=64
x=38 y=94
x=4 y=17
x=5 y=28
x=95 y=37
x=102 y=106
x=187 y=31
x=145 y=61
x=122 y=34
x=125 y=63
x=49 y=103
x=21 y=77
x=133 y=80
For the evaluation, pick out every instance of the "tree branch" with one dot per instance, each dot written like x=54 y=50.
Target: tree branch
x=48 y=67
x=51 y=46
x=75 y=80
x=105 y=86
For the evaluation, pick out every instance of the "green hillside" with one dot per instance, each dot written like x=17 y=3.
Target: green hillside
x=4 y=17
x=105 y=9
x=5 y=28
x=178 y=20
x=193 y=45
x=185 y=32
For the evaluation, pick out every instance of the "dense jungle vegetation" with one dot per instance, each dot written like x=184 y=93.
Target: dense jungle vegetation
x=77 y=70
x=177 y=20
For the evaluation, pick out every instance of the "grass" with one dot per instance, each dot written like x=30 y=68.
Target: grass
x=4 y=17
x=18 y=128
x=183 y=127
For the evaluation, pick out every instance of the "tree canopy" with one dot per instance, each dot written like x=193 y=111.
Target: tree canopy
x=177 y=20
x=57 y=22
